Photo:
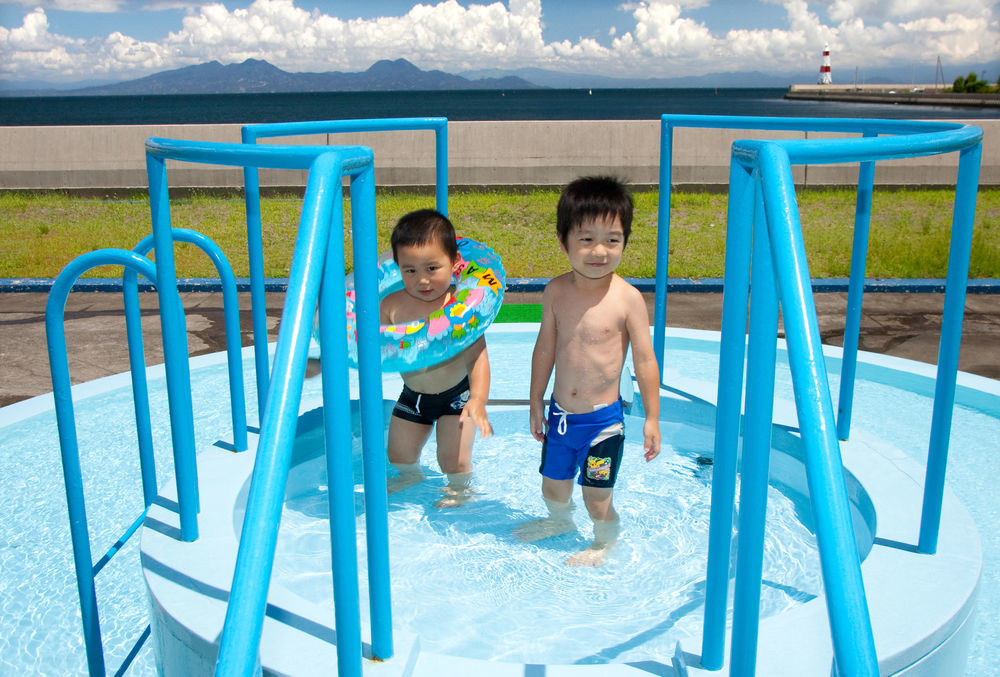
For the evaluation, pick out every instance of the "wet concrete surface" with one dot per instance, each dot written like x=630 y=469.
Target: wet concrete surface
x=905 y=325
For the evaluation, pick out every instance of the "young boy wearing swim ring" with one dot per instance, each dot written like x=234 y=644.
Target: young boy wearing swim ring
x=452 y=393
x=590 y=316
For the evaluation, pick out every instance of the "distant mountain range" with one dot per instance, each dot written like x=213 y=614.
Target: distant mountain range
x=256 y=76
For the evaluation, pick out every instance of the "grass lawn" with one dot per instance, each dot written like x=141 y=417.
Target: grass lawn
x=910 y=231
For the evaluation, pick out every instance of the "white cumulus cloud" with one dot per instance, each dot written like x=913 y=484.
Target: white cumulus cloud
x=659 y=38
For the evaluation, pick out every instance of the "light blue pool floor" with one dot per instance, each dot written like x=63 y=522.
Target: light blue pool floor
x=41 y=627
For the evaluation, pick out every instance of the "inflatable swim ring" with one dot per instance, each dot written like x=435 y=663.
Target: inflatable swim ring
x=479 y=287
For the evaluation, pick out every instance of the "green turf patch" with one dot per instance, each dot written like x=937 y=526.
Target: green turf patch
x=520 y=312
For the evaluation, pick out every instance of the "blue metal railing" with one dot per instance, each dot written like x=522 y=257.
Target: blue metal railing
x=317 y=276
x=376 y=503
x=764 y=248
x=69 y=448
x=135 y=264
x=866 y=179
x=251 y=179
x=231 y=314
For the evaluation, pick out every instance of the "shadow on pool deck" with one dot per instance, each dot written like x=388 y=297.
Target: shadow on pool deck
x=901 y=324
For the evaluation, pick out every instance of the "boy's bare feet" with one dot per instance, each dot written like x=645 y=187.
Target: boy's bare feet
x=559 y=522
x=409 y=474
x=458 y=492
x=605 y=540
x=593 y=556
x=546 y=527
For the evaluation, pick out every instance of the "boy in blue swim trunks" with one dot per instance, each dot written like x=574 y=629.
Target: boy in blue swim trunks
x=590 y=316
x=451 y=394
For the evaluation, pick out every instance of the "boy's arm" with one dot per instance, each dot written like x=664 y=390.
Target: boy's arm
x=477 y=363
x=647 y=371
x=543 y=358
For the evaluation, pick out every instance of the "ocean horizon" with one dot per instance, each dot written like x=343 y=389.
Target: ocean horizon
x=456 y=105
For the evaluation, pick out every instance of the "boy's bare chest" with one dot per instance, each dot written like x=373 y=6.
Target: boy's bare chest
x=594 y=326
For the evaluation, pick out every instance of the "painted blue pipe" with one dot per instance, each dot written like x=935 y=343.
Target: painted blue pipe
x=245 y=613
x=231 y=315
x=732 y=344
x=140 y=385
x=365 y=250
x=175 y=349
x=951 y=337
x=258 y=302
x=761 y=354
x=663 y=243
x=855 y=294
x=250 y=134
x=847 y=608
x=55 y=336
x=337 y=421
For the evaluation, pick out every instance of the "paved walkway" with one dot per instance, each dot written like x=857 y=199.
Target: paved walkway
x=900 y=324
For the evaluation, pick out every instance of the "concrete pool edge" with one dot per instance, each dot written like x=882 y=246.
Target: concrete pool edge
x=939 y=596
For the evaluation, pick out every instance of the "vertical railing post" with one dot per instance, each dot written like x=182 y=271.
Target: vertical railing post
x=175 y=350
x=951 y=339
x=140 y=387
x=337 y=421
x=732 y=346
x=663 y=242
x=441 y=167
x=756 y=448
x=255 y=260
x=855 y=293
x=372 y=424
x=72 y=475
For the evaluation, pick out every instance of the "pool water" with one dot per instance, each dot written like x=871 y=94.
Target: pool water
x=463 y=583
x=42 y=631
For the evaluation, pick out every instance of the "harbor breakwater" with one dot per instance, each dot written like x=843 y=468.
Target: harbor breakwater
x=917 y=95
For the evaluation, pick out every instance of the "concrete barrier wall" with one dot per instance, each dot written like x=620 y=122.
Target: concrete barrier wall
x=480 y=153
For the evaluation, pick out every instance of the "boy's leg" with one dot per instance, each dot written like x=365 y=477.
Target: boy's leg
x=557 y=495
x=454 y=454
x=601 y=509
x=406 y=439
x=599 y=475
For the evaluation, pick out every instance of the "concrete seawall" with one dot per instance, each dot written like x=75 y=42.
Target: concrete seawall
x=514 y=153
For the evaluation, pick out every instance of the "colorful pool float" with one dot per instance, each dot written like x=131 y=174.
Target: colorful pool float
x=479 y=287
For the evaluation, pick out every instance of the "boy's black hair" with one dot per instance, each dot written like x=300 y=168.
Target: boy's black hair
x=593 y=197
x=423 y=227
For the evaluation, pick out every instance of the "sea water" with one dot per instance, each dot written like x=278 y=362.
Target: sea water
x=527 y=104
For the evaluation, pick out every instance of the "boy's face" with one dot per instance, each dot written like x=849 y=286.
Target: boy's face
x=595 y=247
x=427 y=271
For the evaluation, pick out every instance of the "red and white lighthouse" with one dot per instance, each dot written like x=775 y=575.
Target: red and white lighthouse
x=825 y=78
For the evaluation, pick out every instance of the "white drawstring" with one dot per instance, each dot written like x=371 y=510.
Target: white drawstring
x=562 y=414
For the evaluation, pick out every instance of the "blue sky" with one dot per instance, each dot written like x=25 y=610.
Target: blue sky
x=68 y=40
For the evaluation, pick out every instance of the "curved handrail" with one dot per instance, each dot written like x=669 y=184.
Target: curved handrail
x=355 y=158
x=231 y=313
x=69 y=448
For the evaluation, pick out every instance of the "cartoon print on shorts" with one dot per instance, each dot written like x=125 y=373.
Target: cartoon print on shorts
x=598 y=469
x=458 y=403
